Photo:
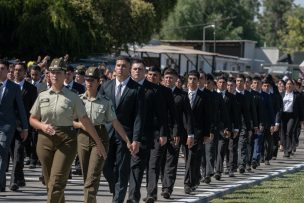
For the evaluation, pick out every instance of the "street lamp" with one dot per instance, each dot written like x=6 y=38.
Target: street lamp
x=204 y=30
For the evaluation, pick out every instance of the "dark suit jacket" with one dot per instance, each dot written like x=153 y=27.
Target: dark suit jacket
x=231 y=107
x=259 y=107
x=11 y=108
x=170 y=110
x=222 y=120
x=202 y=114
x=183 y=112
x=79 y=88
x=268 y=110
x=130 y=110
x=155 y=113
x=245 y=105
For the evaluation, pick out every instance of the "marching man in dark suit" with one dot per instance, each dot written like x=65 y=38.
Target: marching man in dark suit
x=200 y=107
x=155 y=126
x=183 y=135
x=127 y=97
x=29 y=95
x=10 y=103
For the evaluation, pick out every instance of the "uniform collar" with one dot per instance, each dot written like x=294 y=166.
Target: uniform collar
x=85 y=96
x=63 y=90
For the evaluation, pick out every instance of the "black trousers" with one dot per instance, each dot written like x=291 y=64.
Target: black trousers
x=154 y=166
x=208 y=159
x=222 y=151
x=232 y=157
x=275 y=144
x=17 y=155
x=169 y=163
x=268 y=144
x=117 y=169
x=34 y=138
x=243 y=149
x=289 y=123
x=192 y=172
x=138 y=165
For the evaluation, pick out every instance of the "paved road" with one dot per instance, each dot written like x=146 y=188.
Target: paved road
x=36 y=192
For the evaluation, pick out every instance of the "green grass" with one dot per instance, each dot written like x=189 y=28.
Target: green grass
x=286 y=189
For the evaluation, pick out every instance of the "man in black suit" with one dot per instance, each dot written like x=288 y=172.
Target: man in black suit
x=202 y=113
x=258 y=102
x=183 y=135
x=159 y=147
x=221 y=127
x=70 y=83
x=128 y=99
x=230 y=133
x=155 y=127
x=29 y=95
x=248 y=121
x=11 y=109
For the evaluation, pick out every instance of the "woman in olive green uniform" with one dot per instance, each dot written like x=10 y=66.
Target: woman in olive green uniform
x=100 y=110
x=53 y=114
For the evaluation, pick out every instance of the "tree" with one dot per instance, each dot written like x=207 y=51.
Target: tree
x=292 y=39
x=272 y=20
x=77 y=27
x=233 y=19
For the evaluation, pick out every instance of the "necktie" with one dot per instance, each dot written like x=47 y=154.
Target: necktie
x=118 y=94
x=191 y=98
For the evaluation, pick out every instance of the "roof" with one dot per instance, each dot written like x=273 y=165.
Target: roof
x=201 y=41
x=165 y=49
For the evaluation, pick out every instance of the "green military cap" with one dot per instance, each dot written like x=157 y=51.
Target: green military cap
x=92 y=72
x=80 y=70
x=58 y=64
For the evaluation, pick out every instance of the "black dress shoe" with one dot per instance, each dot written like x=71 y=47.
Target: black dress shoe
x=149 y=200
x=248 y=168
x=21 y=183
x=187 y=189
x=254 y=164
x=41 y=178
x=242 y=169
x=14 y=187
x=166 y=195
x=266 y=162
x=131 y=201
x=207 y=180
x=2 y=189
x=32 y=166
x=217 y=176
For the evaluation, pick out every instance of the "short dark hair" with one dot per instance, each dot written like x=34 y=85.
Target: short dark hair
x=4 y=62
x=154 y=69
x=22 y=64
x=248 y=77
x=240 y=76
x=170 y=71
x=194 y=73
x=231 y=79
x=256 y=78
x=123 y=58
x=137 y=60
x=222 y=77
x=35 y=67
x=209 y=77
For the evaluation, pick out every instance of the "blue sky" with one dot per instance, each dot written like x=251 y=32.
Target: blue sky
x=299 y=2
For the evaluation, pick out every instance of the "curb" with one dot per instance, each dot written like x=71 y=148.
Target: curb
x=239 y=185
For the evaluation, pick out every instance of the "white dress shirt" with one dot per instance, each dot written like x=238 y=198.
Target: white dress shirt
x=123 y=85
x=69 y=85
x=288 y=102
x=20 y=84
x=2 y=89
x=240 y=91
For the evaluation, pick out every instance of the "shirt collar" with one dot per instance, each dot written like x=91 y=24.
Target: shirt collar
x=4 y=83
x=141 y=82
x=123 y=83
x=68 y=84
x=85 y=96
x=193 y=91
x=63 y=90
x=173 y=88
x=239 y=91
x=219 y=91
x=21 y=83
